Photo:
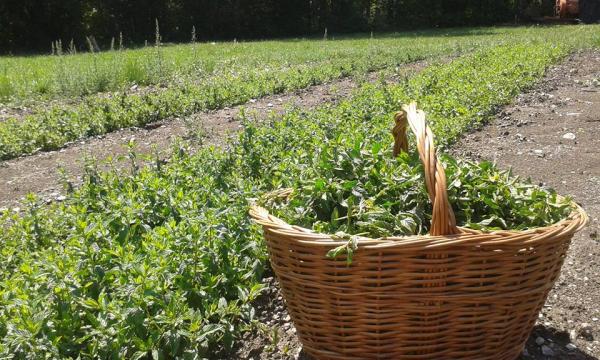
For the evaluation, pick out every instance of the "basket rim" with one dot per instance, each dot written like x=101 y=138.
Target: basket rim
x=576 y=220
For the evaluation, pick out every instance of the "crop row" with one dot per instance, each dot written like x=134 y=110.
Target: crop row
x=165 y=262
x=232 y=80
x=51 y=128
x=69 y=74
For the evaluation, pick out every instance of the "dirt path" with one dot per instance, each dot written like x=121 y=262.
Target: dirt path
x=39 y=173
x=551 y=134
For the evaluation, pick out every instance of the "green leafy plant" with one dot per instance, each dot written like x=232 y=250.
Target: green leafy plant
x=360 y=191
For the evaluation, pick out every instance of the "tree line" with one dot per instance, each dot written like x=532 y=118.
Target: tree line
x=31 y=25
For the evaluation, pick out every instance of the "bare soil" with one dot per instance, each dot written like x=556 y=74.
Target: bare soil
x=39 y=173
x=551 y=134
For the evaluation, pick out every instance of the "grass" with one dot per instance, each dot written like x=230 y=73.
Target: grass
x=6 y=88
x=171 y=64
x=165 y=262
x=72 y=75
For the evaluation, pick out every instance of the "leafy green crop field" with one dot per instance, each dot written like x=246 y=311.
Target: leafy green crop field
x=226 y=74
x=199 y=77
x=165 y=262
x=46 y=77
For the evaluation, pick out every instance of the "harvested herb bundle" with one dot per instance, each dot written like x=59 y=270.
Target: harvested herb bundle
x=362 y=190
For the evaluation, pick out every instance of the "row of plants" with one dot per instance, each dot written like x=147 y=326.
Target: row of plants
x=71 y=74
x=164 y=262
x=53 y=127
x=234 y=73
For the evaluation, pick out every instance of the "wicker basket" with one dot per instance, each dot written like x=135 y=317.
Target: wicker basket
x=454 y=294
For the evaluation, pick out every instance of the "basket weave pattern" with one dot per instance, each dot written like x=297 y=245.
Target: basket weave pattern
x=456 y=293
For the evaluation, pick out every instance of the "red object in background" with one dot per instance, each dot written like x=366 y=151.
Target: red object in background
x=567 y=8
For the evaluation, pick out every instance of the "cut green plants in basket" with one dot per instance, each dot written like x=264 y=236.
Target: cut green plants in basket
x=359 y=189
x=371 y=249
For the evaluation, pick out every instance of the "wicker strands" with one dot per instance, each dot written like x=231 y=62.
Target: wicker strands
x=454 y=294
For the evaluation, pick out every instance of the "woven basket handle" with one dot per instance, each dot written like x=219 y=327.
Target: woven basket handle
x=443 y=221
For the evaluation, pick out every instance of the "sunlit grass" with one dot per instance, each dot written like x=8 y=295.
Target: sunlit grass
x=34 y=77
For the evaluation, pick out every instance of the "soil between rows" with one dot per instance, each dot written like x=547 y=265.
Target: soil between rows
x=552 y=135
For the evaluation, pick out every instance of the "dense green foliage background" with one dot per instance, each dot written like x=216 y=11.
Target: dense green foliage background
x=27 y=25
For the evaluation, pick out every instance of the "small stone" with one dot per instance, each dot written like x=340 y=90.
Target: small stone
x=540 y=340
x=571 y=347
x=61 y=198
x=270 y=105
x=539 y=152
x=547 y=351
x=586 y=332
x=572 y=335
x=594 y=319
x=298 y=354
x=286 y=318
x=569 y=136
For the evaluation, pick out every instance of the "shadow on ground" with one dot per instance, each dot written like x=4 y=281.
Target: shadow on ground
x=556 y=341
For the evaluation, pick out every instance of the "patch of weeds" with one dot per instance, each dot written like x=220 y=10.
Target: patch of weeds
x=42 y=86
x=6 y=88
x=134 y=72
